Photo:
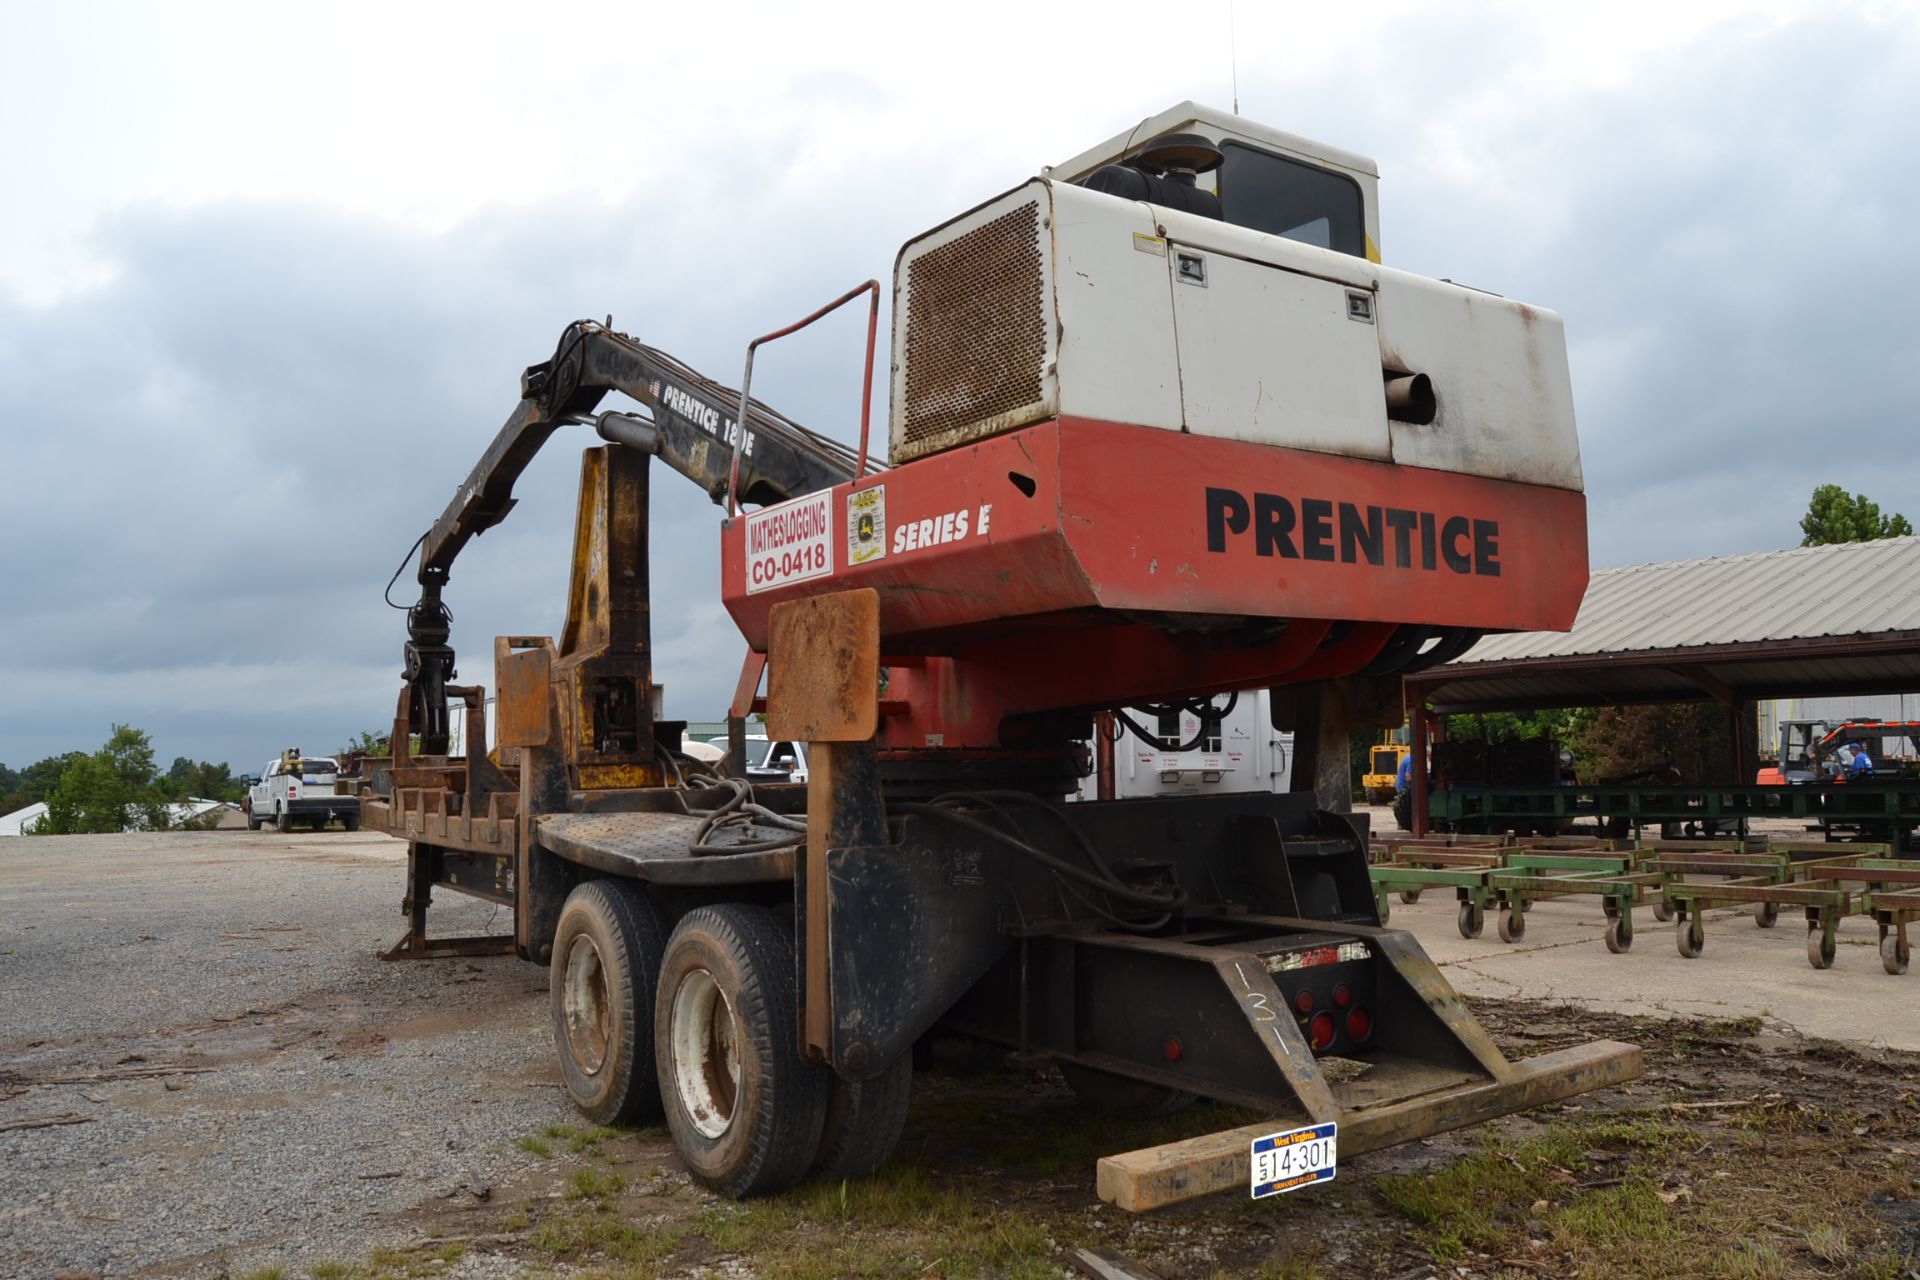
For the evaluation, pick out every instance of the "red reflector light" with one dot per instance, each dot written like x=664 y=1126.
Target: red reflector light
x=1320 y=1030
x=1304 y=1002
x=1359 y=1025
x=1173 y=1048
x=1343 y=995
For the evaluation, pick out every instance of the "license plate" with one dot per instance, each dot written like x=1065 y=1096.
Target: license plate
x=1290 y=1160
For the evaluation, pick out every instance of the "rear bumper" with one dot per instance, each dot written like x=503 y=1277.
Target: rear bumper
x=1155 y=1177
x=313 y=806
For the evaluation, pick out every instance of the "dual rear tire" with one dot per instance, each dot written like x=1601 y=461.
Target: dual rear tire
x=698 y=1024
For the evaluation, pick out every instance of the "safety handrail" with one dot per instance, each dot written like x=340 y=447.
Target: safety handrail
x=866 y=387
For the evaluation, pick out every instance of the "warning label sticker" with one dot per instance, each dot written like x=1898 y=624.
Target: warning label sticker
x=866 y=525
x=790 y=543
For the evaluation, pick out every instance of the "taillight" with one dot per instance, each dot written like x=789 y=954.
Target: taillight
x=1320 y=1031
x=1342 y=995
x=1359 y=1025
x=1304 y=1001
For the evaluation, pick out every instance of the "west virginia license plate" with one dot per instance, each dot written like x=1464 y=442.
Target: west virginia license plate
x=1290 y=1160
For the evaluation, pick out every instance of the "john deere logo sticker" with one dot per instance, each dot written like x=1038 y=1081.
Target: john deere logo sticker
x=867 y=524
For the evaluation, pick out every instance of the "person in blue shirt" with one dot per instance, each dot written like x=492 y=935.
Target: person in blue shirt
x=1404 y=778
x=1862 y=765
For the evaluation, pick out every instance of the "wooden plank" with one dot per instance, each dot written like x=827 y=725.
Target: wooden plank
x=1155 y=1177
x=1105 y=1264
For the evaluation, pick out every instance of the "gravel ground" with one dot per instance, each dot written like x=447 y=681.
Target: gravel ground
x=319 y=1090
x=257 y=1089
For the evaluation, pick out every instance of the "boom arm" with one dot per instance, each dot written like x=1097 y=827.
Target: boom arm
x=692 y=428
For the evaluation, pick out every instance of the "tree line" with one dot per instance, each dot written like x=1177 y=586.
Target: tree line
x=117 y=788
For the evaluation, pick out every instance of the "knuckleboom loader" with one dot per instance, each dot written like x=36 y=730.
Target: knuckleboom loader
x=1162 y=430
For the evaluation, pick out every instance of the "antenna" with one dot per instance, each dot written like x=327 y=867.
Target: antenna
x=1233 y=57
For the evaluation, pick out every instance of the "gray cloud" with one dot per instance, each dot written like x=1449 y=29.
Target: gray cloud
x=209 y=465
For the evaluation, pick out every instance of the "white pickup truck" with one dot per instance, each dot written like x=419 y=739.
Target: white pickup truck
x=300 y=789
x=772 y=761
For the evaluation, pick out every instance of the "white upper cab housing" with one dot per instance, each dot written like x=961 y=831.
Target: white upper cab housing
x=1207 y=274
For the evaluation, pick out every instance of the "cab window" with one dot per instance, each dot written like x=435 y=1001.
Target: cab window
x=1283 y=197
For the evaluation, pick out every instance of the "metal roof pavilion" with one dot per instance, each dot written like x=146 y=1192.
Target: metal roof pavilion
x=1814 y=620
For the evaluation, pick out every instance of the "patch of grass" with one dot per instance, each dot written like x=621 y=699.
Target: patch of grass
x=538 y=1146
x=737 y=1227
x=332 y=1271
x=1828 y=1243
x=594 y=1184
x=578 y=1236
x=1787 y=1115
x=1747 y=1026
x=1480 y=1200
x=1472 y=1202
x=266 y=1273
x=902 y=1222
x=1888 y=1264
x=1749 y=1260
x=1623 y=1221
x=577 y=1140
x=1289 y=1267
x=1637 y=1131
x=415 y=1262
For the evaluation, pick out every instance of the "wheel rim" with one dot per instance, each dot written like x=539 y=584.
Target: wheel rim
x=589 y=1014
x=706 y=1068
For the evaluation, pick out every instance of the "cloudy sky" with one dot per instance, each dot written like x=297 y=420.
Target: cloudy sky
x=268 y=274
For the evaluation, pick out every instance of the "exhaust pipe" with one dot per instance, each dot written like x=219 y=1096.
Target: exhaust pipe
x=1410 y=399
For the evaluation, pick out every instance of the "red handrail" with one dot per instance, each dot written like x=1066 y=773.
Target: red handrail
x=866 y=386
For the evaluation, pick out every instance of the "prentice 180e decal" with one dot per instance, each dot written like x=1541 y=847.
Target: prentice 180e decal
x=1350 y=533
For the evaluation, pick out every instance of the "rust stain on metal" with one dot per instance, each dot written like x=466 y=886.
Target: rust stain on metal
x=523 y=671
x=823 y=662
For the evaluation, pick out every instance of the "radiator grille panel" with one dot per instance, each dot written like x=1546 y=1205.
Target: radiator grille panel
x=976 y=338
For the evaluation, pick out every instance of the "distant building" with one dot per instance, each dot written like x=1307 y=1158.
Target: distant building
x=12 y=823
x=20 y=821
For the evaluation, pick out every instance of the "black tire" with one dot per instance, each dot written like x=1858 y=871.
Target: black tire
x=606 y=959
x=1512 y=927
x=1684 y=940
x=1472 y=920
x=1133 y=1099
x=320 y=823
x=253 y=823
x=745 y=1112
x=1619 y=940
x=1409 y=896
x=1663 y=911
x=283 y=823
x=863 y=1123
x=1766 y=914
x=350 y=822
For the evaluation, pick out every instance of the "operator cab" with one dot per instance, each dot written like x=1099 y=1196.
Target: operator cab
x=1243 y=173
